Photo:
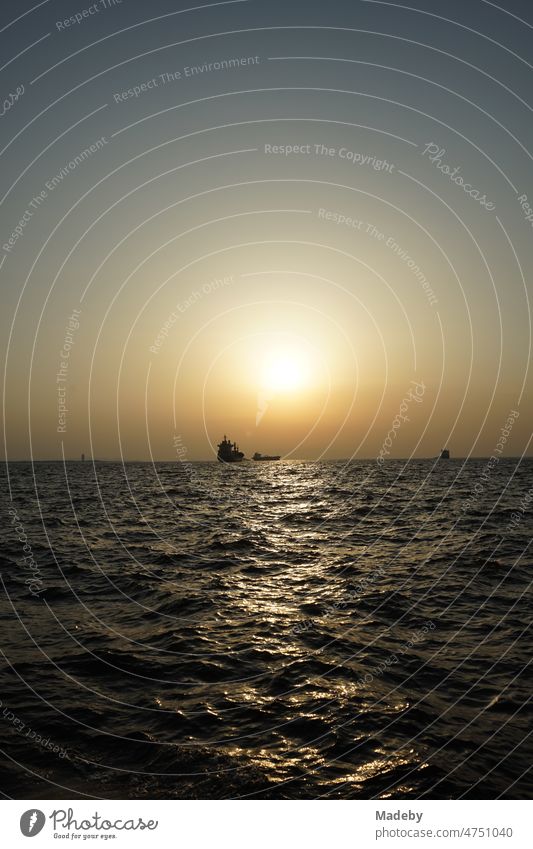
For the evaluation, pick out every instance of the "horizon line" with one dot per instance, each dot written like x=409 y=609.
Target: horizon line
x=5 y=461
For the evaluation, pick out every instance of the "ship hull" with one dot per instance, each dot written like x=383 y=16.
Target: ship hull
x=228 y=451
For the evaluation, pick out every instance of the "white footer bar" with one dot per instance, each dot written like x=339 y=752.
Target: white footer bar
x=269 y=824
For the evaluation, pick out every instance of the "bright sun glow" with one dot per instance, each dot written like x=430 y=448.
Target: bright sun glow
x=284 y=371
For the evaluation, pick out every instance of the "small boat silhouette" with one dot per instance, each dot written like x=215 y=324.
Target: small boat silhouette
x=444 y=454
x=258 y=456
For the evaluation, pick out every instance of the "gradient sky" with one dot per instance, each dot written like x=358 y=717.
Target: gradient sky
x=218 y=287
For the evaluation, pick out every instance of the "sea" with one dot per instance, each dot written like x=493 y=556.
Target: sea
x=267 y=630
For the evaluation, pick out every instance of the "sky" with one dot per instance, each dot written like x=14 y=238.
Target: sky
x=294 y=223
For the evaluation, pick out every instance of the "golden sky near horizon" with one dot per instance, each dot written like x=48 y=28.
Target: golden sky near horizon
x=278 y=250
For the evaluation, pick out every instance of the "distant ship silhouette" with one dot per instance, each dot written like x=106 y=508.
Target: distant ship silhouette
x=258 y=456
x=228 y=452
x=444 y=454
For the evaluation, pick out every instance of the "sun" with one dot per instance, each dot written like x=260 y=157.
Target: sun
x=284 y=370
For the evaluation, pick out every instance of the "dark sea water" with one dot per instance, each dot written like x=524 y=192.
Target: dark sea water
x=267 y=630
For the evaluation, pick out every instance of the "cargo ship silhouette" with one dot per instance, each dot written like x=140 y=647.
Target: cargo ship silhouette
x=228 y=452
